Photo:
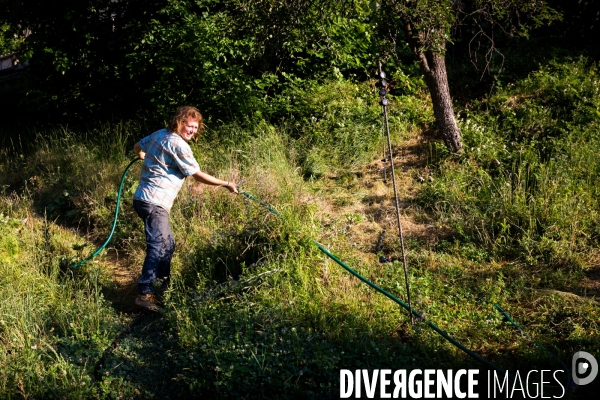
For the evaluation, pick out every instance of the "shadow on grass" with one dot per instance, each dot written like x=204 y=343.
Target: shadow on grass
x=231 y=349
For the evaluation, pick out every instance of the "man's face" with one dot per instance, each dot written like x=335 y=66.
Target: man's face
x=189 y=129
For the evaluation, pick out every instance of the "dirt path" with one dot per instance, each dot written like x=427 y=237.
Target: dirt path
x=366 y=204
x=122 y=289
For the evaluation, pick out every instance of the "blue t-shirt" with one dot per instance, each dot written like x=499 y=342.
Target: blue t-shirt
x=168 y=161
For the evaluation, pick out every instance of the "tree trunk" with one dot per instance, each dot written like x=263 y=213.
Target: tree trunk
x=433 y=67
x=436 y=78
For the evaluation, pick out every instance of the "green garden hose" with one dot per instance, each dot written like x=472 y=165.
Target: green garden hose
x=116 y=217
x=412 y=311
x=518 y=328
x=442 y=333
x=346 y=267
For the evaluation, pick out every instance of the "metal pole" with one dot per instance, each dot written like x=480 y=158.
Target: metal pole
x=384 y=103
x=383 y=157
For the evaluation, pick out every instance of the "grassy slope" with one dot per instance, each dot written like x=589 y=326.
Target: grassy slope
x=256 y=310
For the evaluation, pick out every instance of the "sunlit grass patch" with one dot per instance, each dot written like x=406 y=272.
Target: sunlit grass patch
x=53 y=325
x=255 y=309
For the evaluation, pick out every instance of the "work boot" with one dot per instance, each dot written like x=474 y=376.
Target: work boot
x=164 y=285
x=147 y=302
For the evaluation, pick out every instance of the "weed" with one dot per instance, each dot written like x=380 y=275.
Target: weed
x=254 y=309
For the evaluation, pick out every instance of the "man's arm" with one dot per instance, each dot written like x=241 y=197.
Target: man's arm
x=211 y=180
x=137 y=149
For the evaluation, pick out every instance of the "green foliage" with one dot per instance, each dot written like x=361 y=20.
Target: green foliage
x=287 y=39
x=527 y=188
x=254 y=309
x=52 y=327
x=146 y=58
x=334 y=125
x=186 y=55
x=195 y=51
x=8 y=41
x=431 y=22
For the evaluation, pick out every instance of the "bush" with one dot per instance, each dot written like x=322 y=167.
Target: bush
x=526 y=188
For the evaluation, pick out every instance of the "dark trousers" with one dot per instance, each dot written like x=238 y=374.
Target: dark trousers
x=160 y=245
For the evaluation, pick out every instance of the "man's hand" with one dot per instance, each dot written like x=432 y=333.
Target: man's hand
x=137 y=149
x=203 y=177
x=232 y=187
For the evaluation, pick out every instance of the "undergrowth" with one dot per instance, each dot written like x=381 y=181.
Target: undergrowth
x=255 y=310
x=527 y=187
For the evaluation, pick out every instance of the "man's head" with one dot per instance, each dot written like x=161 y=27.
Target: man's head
x=186 y=122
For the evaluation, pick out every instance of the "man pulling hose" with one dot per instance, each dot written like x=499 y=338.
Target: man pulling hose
x=167 y=161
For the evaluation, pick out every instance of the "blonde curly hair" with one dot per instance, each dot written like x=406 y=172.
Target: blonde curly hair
x=182 y=116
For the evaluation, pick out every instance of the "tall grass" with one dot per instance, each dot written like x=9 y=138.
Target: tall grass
x=255 y=310
x=52 y=326
x=523 y=200
x=527 y=188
